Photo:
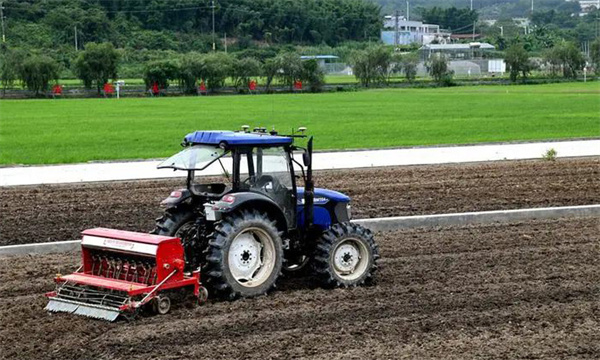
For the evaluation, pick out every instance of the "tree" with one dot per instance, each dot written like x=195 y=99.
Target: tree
x=566 y=56
x=190 y=70
x=10 y=67
x=217 y=67
x=36 y=72
x=289 y=68
x=313 y=75
x=409 y=66
x=271 y=68
x=439 y=71
x=517 y=62
x=244 y=69
x=450 y=18
x=595 y=55
x=160 y=72
x=97 y=64
x=371 y=65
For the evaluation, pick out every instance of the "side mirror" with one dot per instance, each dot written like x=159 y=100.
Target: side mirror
x=306 y=159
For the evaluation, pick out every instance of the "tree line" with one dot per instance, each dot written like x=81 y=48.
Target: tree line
x=99 y=63
x=373 y=65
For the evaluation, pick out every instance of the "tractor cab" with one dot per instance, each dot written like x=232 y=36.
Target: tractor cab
x=257 y=166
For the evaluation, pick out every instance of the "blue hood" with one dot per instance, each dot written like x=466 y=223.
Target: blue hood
x=324 y=193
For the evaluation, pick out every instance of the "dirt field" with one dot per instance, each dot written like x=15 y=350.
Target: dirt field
x=523 y=290
x=60 y=212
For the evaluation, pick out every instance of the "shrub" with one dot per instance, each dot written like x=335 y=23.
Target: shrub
x=550 y=155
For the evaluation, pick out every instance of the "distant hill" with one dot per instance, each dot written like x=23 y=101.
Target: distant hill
x=487 y=9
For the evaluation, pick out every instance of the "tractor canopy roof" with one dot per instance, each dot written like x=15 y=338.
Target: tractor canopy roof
x=232 y=138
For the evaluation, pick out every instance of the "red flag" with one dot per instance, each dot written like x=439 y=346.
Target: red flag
x=298 y=85
x=155 y=89
x=252 y=85
x=57 y=89
x=109 y=88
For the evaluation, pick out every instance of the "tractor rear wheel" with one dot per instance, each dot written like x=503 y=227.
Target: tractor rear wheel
x=181 y=222
x=174 y=222
x=244 y=256
x=345 y=255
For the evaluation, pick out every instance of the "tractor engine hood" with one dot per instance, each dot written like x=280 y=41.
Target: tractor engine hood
x=323 y=196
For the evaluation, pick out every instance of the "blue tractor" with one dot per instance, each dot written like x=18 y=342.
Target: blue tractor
x=253 y=222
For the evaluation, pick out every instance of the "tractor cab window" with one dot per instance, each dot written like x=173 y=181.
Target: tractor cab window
x=197 y=157
x=275 y=164
x=267 y=171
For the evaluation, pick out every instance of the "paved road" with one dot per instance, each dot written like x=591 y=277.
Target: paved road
x=53 y=174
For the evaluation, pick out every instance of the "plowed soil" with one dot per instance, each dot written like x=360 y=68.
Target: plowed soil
x=519 y=291
x=60 y=212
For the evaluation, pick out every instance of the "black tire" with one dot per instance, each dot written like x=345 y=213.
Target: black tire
x=329 y=245
x=172 y=222
x=181 y=222
x=220 y=275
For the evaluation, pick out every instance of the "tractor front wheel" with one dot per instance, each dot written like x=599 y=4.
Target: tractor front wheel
x=345 y=255
x=244 y=256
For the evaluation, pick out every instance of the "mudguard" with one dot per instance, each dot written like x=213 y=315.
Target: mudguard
x=253 y=200
x=176 y=197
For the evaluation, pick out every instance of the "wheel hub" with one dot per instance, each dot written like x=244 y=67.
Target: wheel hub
x=244 y=257
x=346 y=258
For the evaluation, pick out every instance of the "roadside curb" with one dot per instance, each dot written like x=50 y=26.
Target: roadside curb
x=483 y=217
x=378 y=224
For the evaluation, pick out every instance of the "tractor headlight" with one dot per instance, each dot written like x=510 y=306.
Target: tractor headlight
x=349 y=211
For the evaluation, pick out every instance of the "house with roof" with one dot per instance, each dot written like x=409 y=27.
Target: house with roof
x=408 y=32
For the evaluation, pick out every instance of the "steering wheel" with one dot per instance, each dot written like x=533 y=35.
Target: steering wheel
x=264 y=180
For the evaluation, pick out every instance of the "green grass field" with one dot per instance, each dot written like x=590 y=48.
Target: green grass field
x=79 y=130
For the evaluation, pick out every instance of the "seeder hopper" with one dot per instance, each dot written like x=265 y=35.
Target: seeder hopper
x=123 y=272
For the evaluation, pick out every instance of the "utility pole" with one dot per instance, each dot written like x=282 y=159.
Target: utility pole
x=474 y=32
x=408 y=11
x=212 y=6
x=76 y=47
x=396 y=40
x=225 y=41
x=2 y=21
x=471 y=5
x=532 y=7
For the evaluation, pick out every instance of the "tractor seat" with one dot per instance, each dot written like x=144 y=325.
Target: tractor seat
x=214 y=190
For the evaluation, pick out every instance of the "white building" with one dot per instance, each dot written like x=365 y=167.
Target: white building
x=589 y=5
x=411 y=32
